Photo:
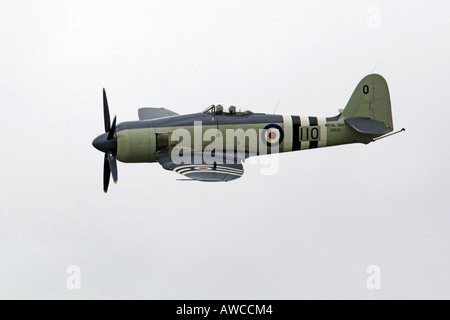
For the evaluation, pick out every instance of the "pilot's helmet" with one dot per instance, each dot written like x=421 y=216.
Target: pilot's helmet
x=232 y=109
x=219 y=108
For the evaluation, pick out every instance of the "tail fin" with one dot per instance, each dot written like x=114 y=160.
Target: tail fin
x=369 y=108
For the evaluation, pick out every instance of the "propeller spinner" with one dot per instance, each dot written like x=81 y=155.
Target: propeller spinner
x=107 y=143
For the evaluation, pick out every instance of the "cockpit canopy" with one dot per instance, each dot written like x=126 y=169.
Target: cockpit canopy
x=226 y=109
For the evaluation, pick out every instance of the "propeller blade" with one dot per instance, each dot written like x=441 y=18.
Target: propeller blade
x=112 y=130
x=112 y=165
x=107 y=143
x=106 y=112
x=106 y=173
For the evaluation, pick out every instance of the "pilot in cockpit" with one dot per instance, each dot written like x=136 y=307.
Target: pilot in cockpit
x=219 y=109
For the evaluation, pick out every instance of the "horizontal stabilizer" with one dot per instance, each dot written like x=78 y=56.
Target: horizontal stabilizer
x=367 y=125
x=154 y=113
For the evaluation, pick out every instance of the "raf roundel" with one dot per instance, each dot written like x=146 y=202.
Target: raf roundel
x=203 y=168
x=272 y=135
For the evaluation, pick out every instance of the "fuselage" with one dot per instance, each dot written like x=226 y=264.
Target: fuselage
x=255 y=133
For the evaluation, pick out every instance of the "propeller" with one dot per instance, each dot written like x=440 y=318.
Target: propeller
x=107 y=143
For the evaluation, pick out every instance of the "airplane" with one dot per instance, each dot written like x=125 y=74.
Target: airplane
x=211 y=146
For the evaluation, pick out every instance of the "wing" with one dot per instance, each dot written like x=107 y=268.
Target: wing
x=202 y=171
x=155 y=113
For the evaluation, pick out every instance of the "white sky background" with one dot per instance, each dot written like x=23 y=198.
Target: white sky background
x=308 y=232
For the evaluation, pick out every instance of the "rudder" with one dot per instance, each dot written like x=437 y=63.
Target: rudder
x=369 y=105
